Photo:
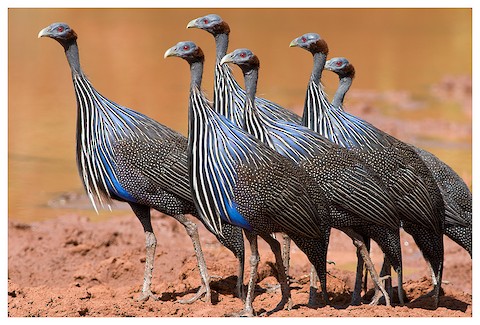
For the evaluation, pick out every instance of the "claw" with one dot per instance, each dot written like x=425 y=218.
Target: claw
x=145 y=295
x=198 y=295
x=243 y=313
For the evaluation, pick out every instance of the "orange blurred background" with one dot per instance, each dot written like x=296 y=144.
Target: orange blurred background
x=121 y=51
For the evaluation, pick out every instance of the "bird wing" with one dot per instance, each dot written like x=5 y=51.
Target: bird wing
x=358 y=192
x=413 y=199
x=293 y=207
x=167 y=167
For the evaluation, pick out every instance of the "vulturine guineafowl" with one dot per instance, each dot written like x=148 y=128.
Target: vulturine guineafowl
x=358 y=201
x=236 y=178
x=124 y=155
x=457 y=197
x=228 y=96
x=406 y=176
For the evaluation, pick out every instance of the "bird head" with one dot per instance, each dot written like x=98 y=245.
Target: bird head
x=60 y=32
x=186 y=50
x=340 y=66
x=311 y=42
x=242 y=58
x=211 y=23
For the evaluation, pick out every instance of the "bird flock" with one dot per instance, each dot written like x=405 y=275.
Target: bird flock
x=250 y=168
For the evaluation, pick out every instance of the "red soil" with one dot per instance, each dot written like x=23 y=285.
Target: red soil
x=71 y=266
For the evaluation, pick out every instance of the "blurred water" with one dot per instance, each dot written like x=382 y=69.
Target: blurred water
x=122 y=50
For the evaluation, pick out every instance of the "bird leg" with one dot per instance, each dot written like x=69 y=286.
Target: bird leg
x=150 y=244
x=385 y=275
x=282 y=275
x=240 y=288
x=313 y=286
x=356 y=297
x=286 y=244
x=436 y=281
x=400 y=291
x=192 y=231
x=143 y=214
x=286 y=253
x=362 y=249
x=254 y=260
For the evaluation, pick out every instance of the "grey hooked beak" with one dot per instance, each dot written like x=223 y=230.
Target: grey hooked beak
x=294 y=43
x=44 y=32
x=227 y=59
x=192 y=23
x=170 y=52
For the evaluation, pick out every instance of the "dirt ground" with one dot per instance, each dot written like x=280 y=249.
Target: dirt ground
x=71 y=266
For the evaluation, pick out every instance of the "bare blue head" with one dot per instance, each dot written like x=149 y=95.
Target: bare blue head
x=211 y=23
x=341 y=67
x=311 y=42
x=186 y=50
x=242 y=57
x=60 y=32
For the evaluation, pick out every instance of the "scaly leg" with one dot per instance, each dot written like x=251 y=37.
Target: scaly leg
x=192 y=231
x=313 y=286
x=254 y=260
x=356 y=296
x=286 y=253
x=143 y=214
x=150 y=244
x=282 y=276
x=358 y=242
x=385 y=274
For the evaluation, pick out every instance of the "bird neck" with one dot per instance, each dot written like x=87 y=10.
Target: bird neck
x=251 y=80
x=195 y=101
x=221 y=44
x=319 y=60
x=252 y=123
x=196 y=72
x=71 y=51
x=343 y=87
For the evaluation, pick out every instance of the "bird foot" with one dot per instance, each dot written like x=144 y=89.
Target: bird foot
x=198 y=295
x=356 y=300
x=376 y=298
x=289 y=304
x=378 y=293
x=433 y=293
x=436 y=296
x=145 y=295
x=243 y=313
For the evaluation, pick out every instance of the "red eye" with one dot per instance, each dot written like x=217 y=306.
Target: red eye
x=186 y=47
x=60 y=29
x=242 y=55
x=338 y=63
x=304 y=39
x=205 y=21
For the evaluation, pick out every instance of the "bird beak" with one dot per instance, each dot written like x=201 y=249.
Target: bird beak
x=170 y=52
x=192 y=24
x=294 y=43
x=227 y=59
x=327 y=65
x=44 y=32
